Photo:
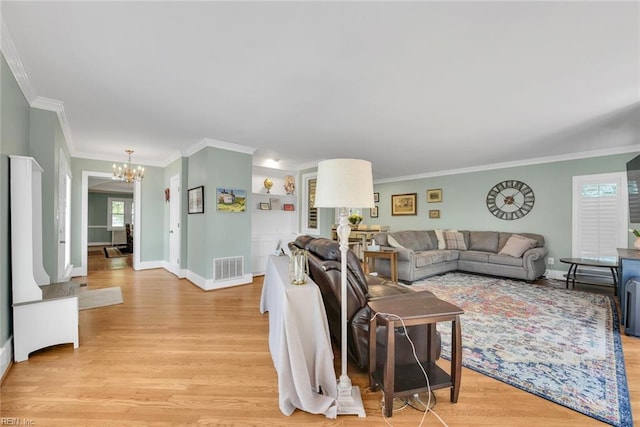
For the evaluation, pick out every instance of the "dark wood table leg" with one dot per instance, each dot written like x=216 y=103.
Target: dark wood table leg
x=372 y=352
x=456 y=358
x=389 y=370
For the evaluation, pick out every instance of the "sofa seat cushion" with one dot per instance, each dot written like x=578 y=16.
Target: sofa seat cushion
x=425 y=258
x=476 y=256
x=505 y=260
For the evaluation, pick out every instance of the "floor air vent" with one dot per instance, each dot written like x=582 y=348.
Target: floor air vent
x=228 y=268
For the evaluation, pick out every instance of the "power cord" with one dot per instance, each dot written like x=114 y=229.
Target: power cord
x=426 y=377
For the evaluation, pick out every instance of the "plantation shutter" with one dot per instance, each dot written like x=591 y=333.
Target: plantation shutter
x=600 y=215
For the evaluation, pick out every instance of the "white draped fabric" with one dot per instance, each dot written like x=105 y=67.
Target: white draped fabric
x=299 y=342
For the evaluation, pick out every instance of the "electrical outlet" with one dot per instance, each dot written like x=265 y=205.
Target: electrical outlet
x=550 y=261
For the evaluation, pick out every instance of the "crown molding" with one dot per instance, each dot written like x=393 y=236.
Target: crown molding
x=223 y=145
x=57 y=107
x=120 y=159
x=22 y=77
x=15 y=63
x=519 y=163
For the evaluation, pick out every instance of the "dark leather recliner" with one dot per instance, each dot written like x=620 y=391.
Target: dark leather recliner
x=324 y=269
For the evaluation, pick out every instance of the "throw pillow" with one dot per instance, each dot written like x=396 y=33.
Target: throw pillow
x=517 y=245
x=393 y=242
x=440 y=237
x=454 y=240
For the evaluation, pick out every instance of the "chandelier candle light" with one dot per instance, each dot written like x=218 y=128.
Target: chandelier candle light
x=343 y=184
x=126 y=172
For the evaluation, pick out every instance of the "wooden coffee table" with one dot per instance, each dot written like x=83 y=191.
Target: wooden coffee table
x=405 y=380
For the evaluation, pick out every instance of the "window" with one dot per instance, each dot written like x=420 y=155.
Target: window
x=119 y=213
x=600 y=218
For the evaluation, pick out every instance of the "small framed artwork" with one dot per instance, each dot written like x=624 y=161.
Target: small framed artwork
x=434 y=213
x=265 y=206
x=374 y=212
x=404 y=204
x=196 y=200
x=231 y=200
x=434 y=196
x=288 y=207
x=376 y=197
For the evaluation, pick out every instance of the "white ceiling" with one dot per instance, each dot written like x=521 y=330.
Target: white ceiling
x=415 y=87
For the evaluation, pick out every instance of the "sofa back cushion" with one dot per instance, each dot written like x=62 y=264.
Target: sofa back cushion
x=417 y=240
x=483 y=241
x=329 y=250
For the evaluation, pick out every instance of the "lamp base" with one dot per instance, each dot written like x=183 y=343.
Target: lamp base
x=349 y=399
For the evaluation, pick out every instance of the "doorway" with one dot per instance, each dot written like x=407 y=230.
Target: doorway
x=106 y=177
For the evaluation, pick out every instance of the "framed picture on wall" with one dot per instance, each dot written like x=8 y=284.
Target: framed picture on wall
x=434 y=213
x=231 y=200
x=434 y=196
x=196 y=200
x=374 y=212
x=376 y=197
x=404 y=204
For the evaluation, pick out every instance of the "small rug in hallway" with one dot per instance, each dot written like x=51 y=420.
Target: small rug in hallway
x=99 y=297
x=112 y=252
x=558 y=344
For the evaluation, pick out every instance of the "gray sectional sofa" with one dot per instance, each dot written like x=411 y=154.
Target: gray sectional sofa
x=424 y=253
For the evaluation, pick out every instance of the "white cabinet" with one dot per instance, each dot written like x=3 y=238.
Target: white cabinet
x=272 y=222
x=44 y=313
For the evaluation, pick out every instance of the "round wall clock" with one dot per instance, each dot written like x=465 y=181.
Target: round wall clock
x=510 y=199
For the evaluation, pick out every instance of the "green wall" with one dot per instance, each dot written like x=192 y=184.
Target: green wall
x=45 y=142
x=218 y=234
x=463 y=203
x=14 y=139
x=97 y=213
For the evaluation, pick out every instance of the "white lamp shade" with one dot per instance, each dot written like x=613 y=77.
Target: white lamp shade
x=344 y=183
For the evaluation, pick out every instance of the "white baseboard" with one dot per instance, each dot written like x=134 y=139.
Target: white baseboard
x=180 y=273
x=6 y=356
x=149 y=265
x=210 y=285
x=555 y=274
x=78 y=271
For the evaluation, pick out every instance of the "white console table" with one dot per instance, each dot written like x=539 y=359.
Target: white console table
x=299 y=342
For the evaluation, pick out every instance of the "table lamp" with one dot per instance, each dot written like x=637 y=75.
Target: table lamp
x=343 y=184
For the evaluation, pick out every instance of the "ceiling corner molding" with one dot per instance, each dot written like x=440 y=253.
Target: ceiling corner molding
x=15 y=63
x=223 y=145
x=57 y=107
x=526 y=162
x=172 y=158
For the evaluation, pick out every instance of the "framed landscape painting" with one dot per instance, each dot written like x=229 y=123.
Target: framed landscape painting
x=404 y=204
x=231 y=200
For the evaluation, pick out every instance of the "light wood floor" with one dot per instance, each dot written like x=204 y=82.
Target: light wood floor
x=173 y=354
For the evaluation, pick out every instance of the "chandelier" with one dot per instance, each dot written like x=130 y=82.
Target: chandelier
x=126 y=172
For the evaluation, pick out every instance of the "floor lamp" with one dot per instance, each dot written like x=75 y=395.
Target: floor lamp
x=343 y=184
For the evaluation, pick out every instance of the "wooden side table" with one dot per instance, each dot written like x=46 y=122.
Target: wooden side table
x=390 y=254
x=405 y=380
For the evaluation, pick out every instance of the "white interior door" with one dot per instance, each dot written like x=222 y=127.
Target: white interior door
x=174 y=225
x=64 y=220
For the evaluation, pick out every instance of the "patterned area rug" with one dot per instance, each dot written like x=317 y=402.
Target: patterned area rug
x=562 y=345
